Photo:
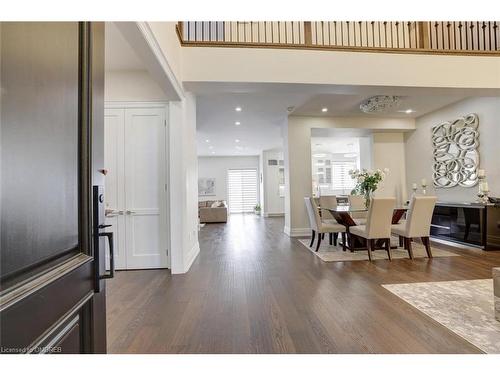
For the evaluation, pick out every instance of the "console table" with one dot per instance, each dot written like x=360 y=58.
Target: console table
x=471 y=224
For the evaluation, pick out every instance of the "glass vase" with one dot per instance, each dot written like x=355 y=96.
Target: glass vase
x=368 y=198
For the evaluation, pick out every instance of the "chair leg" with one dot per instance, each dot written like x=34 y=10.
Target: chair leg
x=330 y=238
x=369 y=245
x=313 y=235
x=427 y=244
x=400 y=241
x=408 y=247
x=343 y=241
x=335 y=238
x=388 y=248
x=320 y=235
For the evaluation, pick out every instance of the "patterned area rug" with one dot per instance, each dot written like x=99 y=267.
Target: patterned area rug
x=464 y=307
x=328 y=253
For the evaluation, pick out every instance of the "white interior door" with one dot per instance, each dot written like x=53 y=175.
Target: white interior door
x=145 y=195
x=114 y=143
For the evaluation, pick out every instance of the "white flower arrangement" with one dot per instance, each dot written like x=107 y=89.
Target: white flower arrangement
x=367 y=180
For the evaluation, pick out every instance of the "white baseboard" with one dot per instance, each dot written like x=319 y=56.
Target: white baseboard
x=297 y=232
x=191 y=256
x=273 y=214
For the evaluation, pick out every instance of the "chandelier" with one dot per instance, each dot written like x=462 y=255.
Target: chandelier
x=379 y=103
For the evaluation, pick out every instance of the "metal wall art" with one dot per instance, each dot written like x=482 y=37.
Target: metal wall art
x=456 y=155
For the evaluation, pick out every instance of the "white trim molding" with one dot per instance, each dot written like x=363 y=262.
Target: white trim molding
x=191 y=256
x=297 y=232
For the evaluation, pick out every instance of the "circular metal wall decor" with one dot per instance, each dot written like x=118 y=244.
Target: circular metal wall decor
x=456 y=155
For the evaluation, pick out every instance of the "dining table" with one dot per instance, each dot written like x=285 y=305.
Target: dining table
x=343 y=215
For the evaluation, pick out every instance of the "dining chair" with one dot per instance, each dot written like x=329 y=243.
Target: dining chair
x=378 y=225
x=327 y=201
x=358 y=202
x=417 y=223
x=321 y=227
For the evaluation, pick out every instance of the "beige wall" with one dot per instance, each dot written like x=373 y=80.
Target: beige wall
x=131 y=86
x=388 y=149
x=419 y=147
x=389 y=152
x=166 y=36
x=340 y=68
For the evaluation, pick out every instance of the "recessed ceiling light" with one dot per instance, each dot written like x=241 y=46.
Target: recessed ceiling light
x=213 y=152
x=407 y=111
x=237 y=140
x=237 y=123
x=238 y=109
x=210 y=147
x=324 y=109
x=207 y=140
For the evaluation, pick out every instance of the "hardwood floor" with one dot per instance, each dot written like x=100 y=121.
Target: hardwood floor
x=253 y=289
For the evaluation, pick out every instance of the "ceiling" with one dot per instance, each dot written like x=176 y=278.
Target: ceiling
x=348 y=106
x=265 y=109
x=118 y=53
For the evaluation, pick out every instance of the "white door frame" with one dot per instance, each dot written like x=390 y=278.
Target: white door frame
x=163 y=105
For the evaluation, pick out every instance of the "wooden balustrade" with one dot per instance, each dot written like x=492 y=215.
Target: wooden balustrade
x=478 y=37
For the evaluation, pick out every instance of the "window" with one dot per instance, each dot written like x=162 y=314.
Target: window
x=242 y=190
x=341 y=179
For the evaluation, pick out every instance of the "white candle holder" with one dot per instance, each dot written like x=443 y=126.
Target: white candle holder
x=424 y=189
x=482 y=194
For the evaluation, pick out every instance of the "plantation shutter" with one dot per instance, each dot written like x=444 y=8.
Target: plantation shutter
x=341 y=179
x=242 y=190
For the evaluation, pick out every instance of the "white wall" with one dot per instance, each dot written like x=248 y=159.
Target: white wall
x=271 y=202
x=217 y=167
x=183 y=184
x=419 y=147
x=131 y=86
x=298 y=178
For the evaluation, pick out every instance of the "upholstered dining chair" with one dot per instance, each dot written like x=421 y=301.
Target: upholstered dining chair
x=321 y=227
x=378 y=225
x=358 y=201
x=417 y=223
x=327 y=201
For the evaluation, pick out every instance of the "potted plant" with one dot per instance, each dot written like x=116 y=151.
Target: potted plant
x=367 y=182
x=257 y=209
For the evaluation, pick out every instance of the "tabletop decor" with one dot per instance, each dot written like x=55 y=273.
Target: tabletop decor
x=483 y=192
x=367 y=182
x=456 y=155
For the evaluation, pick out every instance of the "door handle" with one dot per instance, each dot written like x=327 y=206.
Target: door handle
x=113 y=213
x=111 y=273
x=129 y=212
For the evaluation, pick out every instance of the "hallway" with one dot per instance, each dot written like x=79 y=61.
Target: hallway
x=255 y=290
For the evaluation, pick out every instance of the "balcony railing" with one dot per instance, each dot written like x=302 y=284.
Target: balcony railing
x=474 y=37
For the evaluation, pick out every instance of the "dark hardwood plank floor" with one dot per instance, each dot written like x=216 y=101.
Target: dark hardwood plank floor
x=253 y=289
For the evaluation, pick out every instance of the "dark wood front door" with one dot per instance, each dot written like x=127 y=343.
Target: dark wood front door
x=51 y=296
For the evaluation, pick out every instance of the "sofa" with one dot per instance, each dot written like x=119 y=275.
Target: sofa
x=212 y=211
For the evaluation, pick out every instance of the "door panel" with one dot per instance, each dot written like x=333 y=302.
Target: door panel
x=114 y=142
x=50 y=104
x=145 y=197
x=39 y=143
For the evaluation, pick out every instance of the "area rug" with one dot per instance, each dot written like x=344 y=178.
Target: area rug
x=464 y=307
x=329 y=253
